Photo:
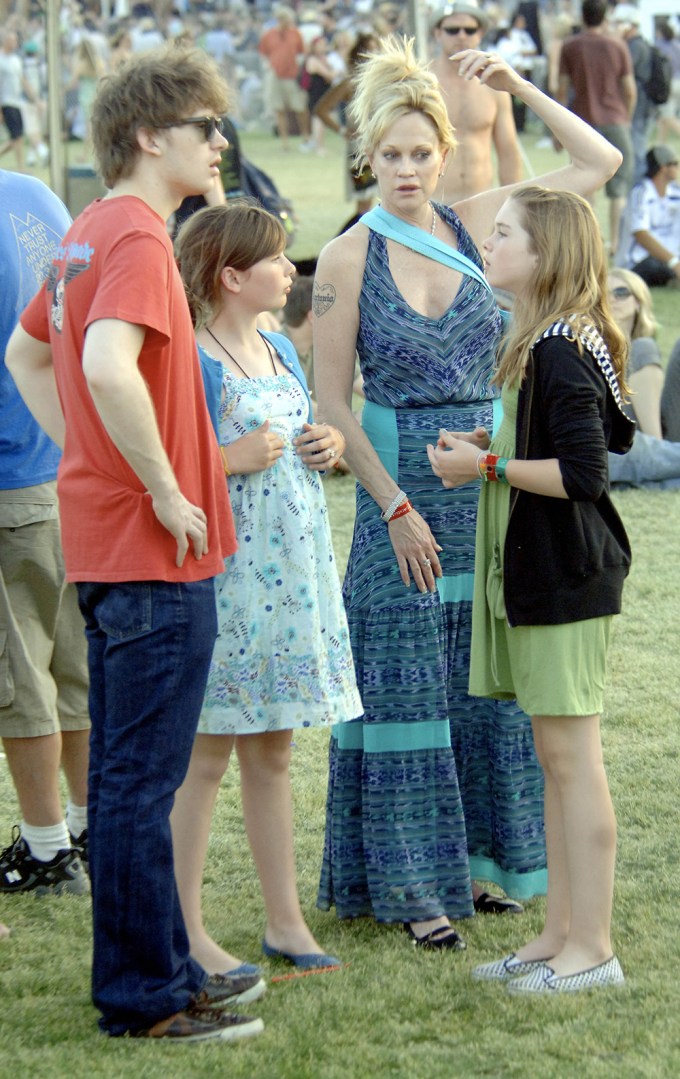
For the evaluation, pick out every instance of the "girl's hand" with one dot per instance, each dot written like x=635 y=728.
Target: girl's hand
x=479 y=437
x=416 y=550
x=454 y=460
x=254 y=452
x=489 y=68
x=319 y=445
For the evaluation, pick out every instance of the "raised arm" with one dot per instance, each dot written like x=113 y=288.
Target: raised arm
x=592 y=159
x=335 y=307
x=506 y=143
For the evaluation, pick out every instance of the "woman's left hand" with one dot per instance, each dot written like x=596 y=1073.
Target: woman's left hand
x=489 y=68
x=319 y=445
x=454 y=460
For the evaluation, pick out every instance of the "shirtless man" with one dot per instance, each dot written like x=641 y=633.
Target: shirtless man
x=479 y=115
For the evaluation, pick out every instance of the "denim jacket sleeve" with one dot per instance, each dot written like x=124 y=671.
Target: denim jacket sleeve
x=288 y=356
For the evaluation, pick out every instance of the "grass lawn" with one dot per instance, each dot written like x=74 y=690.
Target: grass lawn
x=391 y=1012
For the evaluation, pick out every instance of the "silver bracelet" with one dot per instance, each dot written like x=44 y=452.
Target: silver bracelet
x=396 y=502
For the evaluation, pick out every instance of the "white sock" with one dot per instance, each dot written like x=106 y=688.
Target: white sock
x=45 y=843
x=76 y=819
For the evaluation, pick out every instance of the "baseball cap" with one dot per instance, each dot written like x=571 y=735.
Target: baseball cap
x=659 y=156
x=460 y=8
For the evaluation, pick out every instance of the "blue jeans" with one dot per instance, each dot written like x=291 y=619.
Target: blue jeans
x=150 y=645
x=650 y=460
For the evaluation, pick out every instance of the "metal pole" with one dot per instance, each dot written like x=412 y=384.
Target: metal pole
x=417 y=21
x=56 y=142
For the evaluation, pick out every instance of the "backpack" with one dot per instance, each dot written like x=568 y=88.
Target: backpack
x=658 y=85
x=257 y=185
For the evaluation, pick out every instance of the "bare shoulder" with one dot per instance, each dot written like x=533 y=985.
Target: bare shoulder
x=345 y=251
x=339 y=270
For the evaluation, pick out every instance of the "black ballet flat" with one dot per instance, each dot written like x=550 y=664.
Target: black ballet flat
x=496 y=904
x=444 y=936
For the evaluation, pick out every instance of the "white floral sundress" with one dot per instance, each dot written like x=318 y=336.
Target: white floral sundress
x=282 y=657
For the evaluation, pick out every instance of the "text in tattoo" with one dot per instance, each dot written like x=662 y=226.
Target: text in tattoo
x=323 y=299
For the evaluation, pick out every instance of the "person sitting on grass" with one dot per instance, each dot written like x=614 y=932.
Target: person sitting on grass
x=655 y=397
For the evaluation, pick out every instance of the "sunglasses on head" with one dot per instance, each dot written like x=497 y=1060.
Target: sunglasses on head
x=620 y=292
x=208 y=125
x=469 y=30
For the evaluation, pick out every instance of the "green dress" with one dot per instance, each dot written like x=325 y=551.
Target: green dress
x=551 y=670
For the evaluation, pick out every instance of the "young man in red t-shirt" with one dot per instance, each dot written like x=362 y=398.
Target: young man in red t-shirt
x=106 y=360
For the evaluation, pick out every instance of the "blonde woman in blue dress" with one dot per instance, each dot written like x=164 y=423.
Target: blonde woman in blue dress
x=282 y=660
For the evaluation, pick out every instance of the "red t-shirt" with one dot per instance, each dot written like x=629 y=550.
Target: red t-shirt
x=116 y=262
x=282 y=48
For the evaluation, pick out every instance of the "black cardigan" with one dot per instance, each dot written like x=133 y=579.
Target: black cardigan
x=566 y=559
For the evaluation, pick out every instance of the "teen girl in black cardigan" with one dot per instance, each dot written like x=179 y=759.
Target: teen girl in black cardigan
x=552 y=555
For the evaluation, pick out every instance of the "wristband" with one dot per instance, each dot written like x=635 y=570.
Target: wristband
x=501 y=465
x=223 y=452
x=486 y=466
x=401 y=511
x=400 y=497
x=491 y=468
x=672 y=263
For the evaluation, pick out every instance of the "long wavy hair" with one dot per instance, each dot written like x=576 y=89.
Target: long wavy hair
x=389 y=84
x=645 y=324
x=570 y=282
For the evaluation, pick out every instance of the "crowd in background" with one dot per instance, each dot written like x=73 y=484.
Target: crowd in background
x=527 y=34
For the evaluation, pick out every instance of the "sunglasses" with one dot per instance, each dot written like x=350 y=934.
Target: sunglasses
x=620 y=292
x=208 y=125
x=452 y=30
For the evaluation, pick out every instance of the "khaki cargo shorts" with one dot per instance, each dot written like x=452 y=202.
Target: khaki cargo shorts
x=43 y=651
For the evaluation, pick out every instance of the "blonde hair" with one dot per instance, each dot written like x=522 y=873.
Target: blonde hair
x=570 y=282
x=389 y=84
x=237 y=233
x=645 y=324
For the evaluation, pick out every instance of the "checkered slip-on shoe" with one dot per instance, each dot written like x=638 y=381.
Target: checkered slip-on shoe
x=545 y=980
x=504 y=969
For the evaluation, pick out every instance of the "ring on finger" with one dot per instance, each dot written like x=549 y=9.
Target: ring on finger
x=330 y=455
x=426 y=562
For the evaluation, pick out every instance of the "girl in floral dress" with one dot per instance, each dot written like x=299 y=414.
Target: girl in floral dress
x=282 y=658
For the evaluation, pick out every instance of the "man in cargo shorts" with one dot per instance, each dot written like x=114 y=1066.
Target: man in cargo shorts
x=44 y=718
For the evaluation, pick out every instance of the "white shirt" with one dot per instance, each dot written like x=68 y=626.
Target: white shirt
x=648 y=211
x=11 y=80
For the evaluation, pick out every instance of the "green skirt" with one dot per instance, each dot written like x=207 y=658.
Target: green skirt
x=551 y=670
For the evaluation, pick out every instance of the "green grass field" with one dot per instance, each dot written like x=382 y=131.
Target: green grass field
x=391 y=1012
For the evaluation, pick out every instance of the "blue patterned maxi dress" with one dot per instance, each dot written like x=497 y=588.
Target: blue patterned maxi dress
x=429 y=775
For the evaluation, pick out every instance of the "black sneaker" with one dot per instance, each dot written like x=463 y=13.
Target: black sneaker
x=229 y=989
x=193 y=1025
x=79 y=844
x=21 y=872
